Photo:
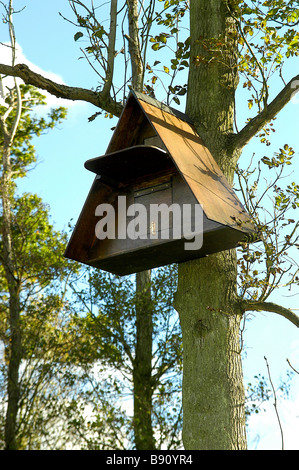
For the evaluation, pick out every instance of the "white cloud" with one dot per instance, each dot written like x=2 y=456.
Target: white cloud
x=264 y=431
x=52 y=101
x=294 y=356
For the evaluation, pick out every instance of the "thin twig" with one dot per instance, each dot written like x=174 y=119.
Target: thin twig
x=275 y=404
x=295 y=370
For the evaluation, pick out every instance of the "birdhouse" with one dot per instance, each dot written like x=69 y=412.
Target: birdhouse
x=158 y=196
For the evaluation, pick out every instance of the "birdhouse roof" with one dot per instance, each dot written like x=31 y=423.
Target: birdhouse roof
x=184 y=149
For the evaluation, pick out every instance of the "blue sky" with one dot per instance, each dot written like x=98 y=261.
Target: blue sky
x=61 y=180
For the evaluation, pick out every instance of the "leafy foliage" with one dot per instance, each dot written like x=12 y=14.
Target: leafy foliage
x=267 y=37
x=106 y=329
x=39 y=271
x=30 y=125
x=270 y=264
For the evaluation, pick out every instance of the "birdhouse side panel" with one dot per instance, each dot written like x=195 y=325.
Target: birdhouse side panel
x=83 y=235
x=132 y=128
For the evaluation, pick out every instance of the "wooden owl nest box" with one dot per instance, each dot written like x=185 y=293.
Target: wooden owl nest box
x=156 y=189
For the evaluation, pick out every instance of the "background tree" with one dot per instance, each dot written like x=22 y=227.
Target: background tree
x=30 y=262
x=106 y=329
x=226 y=38
x=102 y=52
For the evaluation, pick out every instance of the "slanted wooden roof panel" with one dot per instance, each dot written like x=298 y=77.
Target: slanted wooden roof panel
x=198 y=167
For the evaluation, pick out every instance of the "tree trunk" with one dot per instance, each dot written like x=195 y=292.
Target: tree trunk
x=142 y=374
x=134 y=46
x=13 y=388
x=9 y=264
x=213 y=392
x=14 y=348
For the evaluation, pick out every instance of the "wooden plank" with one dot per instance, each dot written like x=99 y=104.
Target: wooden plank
x=83 y=235
x=127 y=127
x=128 y=164
x=166 y=252
x=198 y=168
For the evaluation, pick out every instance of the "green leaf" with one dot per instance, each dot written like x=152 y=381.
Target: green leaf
x=156 y=46
x=78 y=35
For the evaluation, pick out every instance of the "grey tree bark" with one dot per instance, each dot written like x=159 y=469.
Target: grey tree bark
x=213 y=393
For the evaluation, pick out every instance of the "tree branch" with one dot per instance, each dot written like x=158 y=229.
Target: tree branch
x=62 y=91
x=261 y=306
x=275 y=403
x=111 y=48
x=256 y=124
x=134 y=46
